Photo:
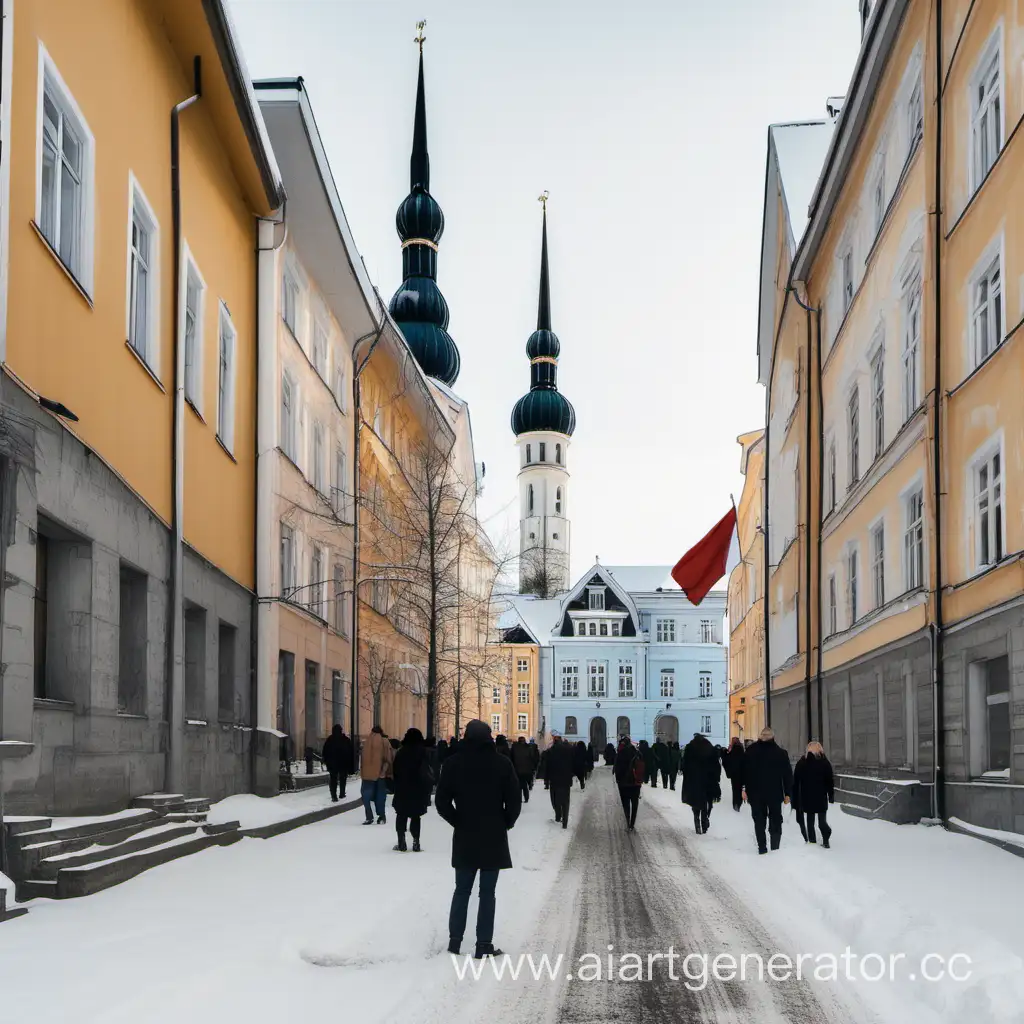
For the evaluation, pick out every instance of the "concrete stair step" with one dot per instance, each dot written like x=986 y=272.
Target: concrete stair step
x=49 y=867
x=197 y=816
x=222 y=829
x=15 y=828
x=93 y=828
x=90 y=878
x=33 y=888
x=158 y=801
x=857 y=810
x=31 y=848
x=197 y=803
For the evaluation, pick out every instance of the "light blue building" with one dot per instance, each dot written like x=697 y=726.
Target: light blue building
x=625 y=653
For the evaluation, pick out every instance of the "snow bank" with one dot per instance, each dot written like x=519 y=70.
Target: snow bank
x=252 y=811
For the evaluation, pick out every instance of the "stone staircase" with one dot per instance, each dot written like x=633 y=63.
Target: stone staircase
x=65 y=861
x=903 y=800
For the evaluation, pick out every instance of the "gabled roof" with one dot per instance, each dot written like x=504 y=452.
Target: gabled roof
x=538 y=616
x=604 y=571
x=643 y=579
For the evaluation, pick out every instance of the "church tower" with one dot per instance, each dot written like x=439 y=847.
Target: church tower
x=418 y=306
x=543 y=422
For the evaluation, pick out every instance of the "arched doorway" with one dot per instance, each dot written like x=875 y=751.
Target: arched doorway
x=599 y=733
x=667 y=728
x=621 y=726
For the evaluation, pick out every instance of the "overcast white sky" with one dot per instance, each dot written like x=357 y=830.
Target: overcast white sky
x=647 y=121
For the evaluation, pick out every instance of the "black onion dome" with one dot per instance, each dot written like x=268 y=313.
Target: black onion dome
x=543 y=409
x=419 y=216
x=543 y=343
x=419 y=299
x=433 y=349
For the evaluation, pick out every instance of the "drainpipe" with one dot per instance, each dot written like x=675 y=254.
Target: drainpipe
x=767 y=555
x=938 y=737
x=807 y=529
x=821 y=510
x=175 y=699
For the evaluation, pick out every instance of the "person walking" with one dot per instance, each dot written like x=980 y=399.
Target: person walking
x=629 y=771
x=767 y=785
x=675 y=761
x=338 y=757
x=522 y=761
x=558 y=773
x=609 y=756
x=732 y=762
x=661 y=759
x=702 y=773
x=374 y=771
x=413 y=783
x=478 y=796
x=501 y=746
x=535 y=759
x=580 y=762
x=644 y=750
x=813 y=790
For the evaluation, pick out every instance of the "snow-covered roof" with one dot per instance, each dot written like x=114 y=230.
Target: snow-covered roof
x=800 y=150
x=642 y=579
x=537 y=615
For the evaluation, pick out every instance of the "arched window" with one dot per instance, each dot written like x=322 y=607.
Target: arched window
x=558 y=454
x=570 y=725
x=593 y=629
x=622 y=726
x=558 y=501
x=529 y=499
x=581 y=629
x=529 y=457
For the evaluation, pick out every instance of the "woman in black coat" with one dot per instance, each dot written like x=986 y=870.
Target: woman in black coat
x=609 y=756
x=702 y=774
x=629 y=764
x=732 y=762
x=581 y=763
x=813 y=790
x=413 y=781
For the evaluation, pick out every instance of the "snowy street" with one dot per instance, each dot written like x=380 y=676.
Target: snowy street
x=329 y=919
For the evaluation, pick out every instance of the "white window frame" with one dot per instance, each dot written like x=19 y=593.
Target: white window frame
x=523 y=693
x=846 y=282
x=877 y=534
x=227 y=344
x=705 y=724
x=194 y=354
x=667 y=682
x=853 y=437
x=597 y=679
x=833 y=606
x=627 y=680
x=831 y=478
x=616 y=629
x=878 y=194
x=910 y=305
x=317 y=457
x=522 y=665
x=287 y=566
x=570 y=679
x=522 y=722
x=987 y=316
x=495 y=694
x=665 y=631
x=852 y=584
x=289 y=423
x=706 y=683
x=140 y=209
x=913 y=537
x=595 y=599
x=49 y=81
x=316 y=581
x=581 y=628
x=340 y=481
x=496 y=723
x=993 y=538
x=291 y=289
x=994 y=130
x=707 y=631
x=877 y=382
x=320 y=343
x=340 y=379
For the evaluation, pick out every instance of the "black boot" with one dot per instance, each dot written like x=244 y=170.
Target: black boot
x=400 y=845
x=486 y=949
x=416 y=848
x=454 y=947
x=381 y=819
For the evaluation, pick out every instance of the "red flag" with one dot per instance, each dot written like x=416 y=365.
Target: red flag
x=705 y=563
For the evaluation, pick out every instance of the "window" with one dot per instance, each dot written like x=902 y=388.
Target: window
x=851 y=586
x=570 y=725
x=988 y=507
x=340 y=482
x=195 y=291
x=593 y=629
x=597 y=679
x=847 y=263
x=997 y=714
x=597 y=599
x=878 y=402
x=227 y=643
x=287 y=562
x=915 y=113
x=522 y=665
x=495 y=694
x=570 y=680
x=986 y=119
x=64 y=210
x=529 y=499
x=317 y=458
x=707 y=632
x=987 y=312
x=878 y=564
x=558 y=454
x=523 y=693
x=316 y=581
x=615 y=629
x=522 y=722
x=911 y=344
x=833 y=611
x=604 y=629
x=340 y=387
x=288 y=417
x=378 y=422
x=195 y=663
x=668 y=682
x=496 y=724
x=705 y=724
x=626 y=680
x=705 y=684
x=558 y=501
x=340 y=600
x=290 y=301
x=320 y=347
x=878 y=194
x=913 y=541
x=226 y=381
x=541 y=452
x=853 y=435
x=830 y=468
x=581 y=628
x=665 y=631
x=528 y=457
x=143 y=278
x=133 y=624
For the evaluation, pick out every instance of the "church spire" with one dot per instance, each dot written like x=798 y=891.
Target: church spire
x=418 y=306
x=544 y=305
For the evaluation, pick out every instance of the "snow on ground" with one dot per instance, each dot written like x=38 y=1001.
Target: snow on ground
x=320 y=921
x=1013 y=838
x=58 y=822
x=885 y=889
x=252 y=811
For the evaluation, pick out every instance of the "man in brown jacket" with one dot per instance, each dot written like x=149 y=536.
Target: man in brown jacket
x=375 y=769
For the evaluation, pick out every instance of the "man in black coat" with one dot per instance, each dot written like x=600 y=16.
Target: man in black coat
x=522 y=761
x=558 y=773
x=338 y=757
x=477 y=795
x=702 y=773
x=767 y=784
x=732 y=762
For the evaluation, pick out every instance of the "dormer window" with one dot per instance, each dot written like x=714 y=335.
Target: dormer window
x=615 y=629
x=581 y=629
x=593 y=629
x=597 y=599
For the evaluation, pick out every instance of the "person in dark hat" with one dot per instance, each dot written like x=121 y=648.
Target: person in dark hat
x=339 y=759
x=478 y=795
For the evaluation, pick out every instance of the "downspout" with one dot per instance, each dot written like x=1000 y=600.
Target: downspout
x=938 y=738
x=808 y=310
x=175 y=698
x=821 y=513
x=767 y=555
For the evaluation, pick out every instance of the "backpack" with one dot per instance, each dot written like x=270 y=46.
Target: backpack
x=639 y=770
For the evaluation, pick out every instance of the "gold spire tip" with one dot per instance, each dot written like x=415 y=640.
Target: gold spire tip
x=543 y=199
x=420 y=37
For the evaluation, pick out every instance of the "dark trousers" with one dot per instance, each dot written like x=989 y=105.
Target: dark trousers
x=560 y=802
x=772 y=815
x=336 y=781
x=464 y=878
x=672 y=775
x=737 y=794
x=413 y=821
x=701 y=816
x=806 y=822
x=664 y=778
x=630 y=797
x=582 y=780
x=652 y=777
x=525 y=782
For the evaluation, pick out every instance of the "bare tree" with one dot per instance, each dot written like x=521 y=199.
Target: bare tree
x=541 y=581
x=381 y=675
